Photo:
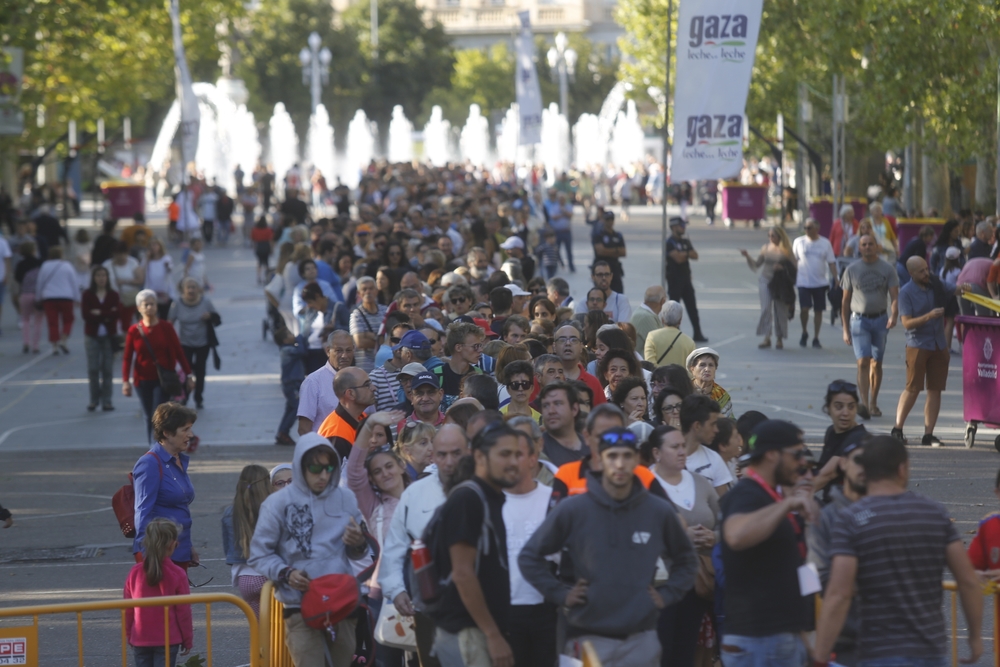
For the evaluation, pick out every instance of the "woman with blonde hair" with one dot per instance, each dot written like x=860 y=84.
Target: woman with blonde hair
x=773 y=312
x=414 y=446
x=238 y=523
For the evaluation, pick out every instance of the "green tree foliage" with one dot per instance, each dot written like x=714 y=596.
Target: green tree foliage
x=106 y=58
x=413 y=58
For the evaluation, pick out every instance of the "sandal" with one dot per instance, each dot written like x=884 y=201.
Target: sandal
x=875 y=412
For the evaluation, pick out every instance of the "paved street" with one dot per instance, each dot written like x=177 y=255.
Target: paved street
x=60 y=465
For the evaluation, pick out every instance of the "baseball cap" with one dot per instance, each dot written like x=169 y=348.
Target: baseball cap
x=677 y=220
x=770 y=435
x=363 y=228
x=513 y=242
x=425 y=378
x=617 y=437
x=701 y=351
x=952 y=253
x=413 y=340
x=515 y=290
x=412 y=369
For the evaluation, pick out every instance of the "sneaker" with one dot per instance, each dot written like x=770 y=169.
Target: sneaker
x=108 y=408
x=898 y=434
x=816 y=344
x=284 y=439
x=804 y=340
x=863 y=411
x=930 y=440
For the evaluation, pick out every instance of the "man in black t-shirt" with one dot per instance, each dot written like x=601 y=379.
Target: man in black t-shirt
x=472 y=613
x=609 y=245
x=763 y=553
x=680 y=252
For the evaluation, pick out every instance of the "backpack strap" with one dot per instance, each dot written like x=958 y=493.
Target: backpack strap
x=483 y=548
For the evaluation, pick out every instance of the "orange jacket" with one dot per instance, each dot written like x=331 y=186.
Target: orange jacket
x=571 y=479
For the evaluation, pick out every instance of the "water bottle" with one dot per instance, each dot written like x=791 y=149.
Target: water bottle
x=423 y=570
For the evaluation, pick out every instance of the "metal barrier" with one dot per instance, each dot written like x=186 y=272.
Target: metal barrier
x=273 y=651
x=167 y=602
x=990 y=590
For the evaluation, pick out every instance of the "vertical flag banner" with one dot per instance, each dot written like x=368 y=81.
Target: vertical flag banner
x=716 y=41
x=190 y=114
x=529 y=94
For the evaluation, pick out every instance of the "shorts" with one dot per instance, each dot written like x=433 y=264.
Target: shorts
x=926 y=368
x=813 y=297
x=868 y=336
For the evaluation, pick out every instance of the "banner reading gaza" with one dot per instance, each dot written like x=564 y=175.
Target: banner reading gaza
x=716 y=41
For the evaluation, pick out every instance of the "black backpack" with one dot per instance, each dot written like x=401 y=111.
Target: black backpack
x=430 y=581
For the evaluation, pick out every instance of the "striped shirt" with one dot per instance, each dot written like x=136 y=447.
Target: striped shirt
x=364 y=322
x=899 y=542
x=386 y=386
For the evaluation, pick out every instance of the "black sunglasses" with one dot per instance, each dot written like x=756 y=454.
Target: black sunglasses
x=842 y=386
x=191 y=583
x=520 y=385
x=394 y=340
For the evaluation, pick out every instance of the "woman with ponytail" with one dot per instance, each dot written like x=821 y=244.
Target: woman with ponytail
x=238 y=523
x=158 y=576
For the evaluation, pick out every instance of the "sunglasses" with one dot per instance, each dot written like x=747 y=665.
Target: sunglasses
x=799 y=454
x=394 y=340
x=619 y=438
x=459 y=299
x=842 y=386
x=384 y=449
x=520 y=385
x=194 y=585
x=318 y=469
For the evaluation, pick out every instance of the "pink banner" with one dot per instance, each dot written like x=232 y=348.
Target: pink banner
x=744 y=202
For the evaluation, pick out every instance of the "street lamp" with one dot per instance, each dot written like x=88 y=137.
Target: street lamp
x=562 y=62
x=315 y=68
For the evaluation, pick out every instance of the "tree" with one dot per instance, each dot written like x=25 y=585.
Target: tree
x=413 y=58
x=480 y=77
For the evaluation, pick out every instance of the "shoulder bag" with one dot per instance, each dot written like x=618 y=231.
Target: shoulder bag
x=170 y=381
x=670 y=347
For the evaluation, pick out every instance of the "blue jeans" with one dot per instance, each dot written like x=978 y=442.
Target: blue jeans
x=151 y=396
x=291 y=392
x=868 y=336
x=784 y=650
x=931 y=661
x=152 y=656
x=564 y=237
x=99 y=356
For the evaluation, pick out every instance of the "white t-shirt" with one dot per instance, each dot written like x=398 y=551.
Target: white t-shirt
x=814 y=259
x=683 y=494
x=709 y=465
x=5 y=254
x=522 y=515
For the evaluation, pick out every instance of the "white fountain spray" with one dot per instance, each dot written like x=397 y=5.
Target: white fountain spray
x=400 y=136
x=510 y=130
x=437 y=136
x=555 y=142
x=319 y=145
x=360 y=148
x=475 y=141
x=627 y=138
x=284 y=143
x=590 y=152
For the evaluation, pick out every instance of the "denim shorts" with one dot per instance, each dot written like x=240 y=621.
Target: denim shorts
x=782 y=650
x=868 y=335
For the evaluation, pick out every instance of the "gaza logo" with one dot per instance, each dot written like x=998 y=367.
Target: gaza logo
x=718 y=37
x=718 y=130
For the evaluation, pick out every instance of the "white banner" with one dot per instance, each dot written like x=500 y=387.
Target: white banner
x=716 y=41
x=190 y=113
x=529 y=94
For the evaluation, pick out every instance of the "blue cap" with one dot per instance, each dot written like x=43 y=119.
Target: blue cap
x=425 y=378
x=413 y=340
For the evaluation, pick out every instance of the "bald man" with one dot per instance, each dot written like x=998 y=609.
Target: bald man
x=921 y=310
x=646 y=316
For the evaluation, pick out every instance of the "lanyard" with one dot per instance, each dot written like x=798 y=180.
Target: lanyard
x=777 y=498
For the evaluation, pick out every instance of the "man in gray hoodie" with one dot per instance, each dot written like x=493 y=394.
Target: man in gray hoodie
x=614 y=535
x=306 y=530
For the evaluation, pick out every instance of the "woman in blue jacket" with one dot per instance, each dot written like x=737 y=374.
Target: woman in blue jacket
x=161 y=483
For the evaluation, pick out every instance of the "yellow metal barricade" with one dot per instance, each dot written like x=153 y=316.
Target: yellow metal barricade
x=79 y=608
x=274 y=653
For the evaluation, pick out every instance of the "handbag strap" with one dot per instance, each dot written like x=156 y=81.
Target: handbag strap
x=669 y=348
x=149 y=347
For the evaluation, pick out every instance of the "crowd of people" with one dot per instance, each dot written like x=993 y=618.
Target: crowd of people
x=531 y=472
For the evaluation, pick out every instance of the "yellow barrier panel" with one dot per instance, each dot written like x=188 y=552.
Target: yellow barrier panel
x=274 y=653
x=79 y=608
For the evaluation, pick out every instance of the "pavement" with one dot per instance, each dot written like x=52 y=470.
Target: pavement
x=60 y=465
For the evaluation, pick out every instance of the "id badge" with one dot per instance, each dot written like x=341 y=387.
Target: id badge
x=809 y=582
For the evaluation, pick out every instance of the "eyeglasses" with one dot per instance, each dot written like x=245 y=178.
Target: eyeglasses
x=842 y=386
x=602 y=275
x=475 y=346
x=676 y=407
x=318 y=469
x=520 y=385
x=191 y=583
x=614 y=438
x=281 y=483
x=568 y=340
x=363 y=385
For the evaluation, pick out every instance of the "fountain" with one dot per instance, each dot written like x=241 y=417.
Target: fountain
x=319 y=143
x=360 y=148
x=510 y=135
x=227 y=136
x=437 y=133
x=400 y=136
x=589 y=151
x=555 y=142
x=284 y=143
x=475 y=141
x=627 y=138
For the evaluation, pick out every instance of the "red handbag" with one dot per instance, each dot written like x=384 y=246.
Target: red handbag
x=329 y=600
x=123 y=503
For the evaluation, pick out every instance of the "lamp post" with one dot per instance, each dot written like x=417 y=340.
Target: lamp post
x=315 y=68
x=562 y=61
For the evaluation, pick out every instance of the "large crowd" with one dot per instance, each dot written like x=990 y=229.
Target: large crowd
x=512 y=472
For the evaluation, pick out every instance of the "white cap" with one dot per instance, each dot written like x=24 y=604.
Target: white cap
x=952 y=253
x=513 y=242
x=700 y=352
x=515 y=290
